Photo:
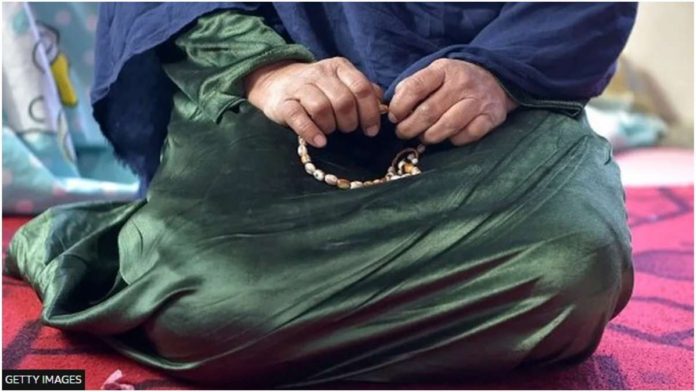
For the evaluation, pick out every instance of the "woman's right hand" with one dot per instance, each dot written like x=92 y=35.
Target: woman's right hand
x=314 y=99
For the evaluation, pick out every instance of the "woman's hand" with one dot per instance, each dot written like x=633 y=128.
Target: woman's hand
x=450 y=99
x=314 y=99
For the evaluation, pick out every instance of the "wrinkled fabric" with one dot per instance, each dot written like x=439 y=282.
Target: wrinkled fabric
x=550 y=51
x=506 y=254
x=214 y=55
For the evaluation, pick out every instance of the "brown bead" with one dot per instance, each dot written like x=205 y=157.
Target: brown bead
x=343 y=184
x=408 y=167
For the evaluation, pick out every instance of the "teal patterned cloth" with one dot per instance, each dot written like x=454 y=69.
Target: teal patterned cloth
x=53 y=150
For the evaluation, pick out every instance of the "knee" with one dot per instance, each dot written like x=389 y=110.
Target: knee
x=591 y=268
x=220 y=345
x=198 y=325
x=587 y=279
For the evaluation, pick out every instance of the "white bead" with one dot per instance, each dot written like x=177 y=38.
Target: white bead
x=301 y=150
x=319 y=175
x=411 y=156
x=330 y=179
x=356 y=184
x=400 y=165
x=310 y=168
x=415 y=171
x=420 y=148
x=414 y=161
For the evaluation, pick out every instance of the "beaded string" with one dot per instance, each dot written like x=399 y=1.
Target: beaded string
x=399 y=168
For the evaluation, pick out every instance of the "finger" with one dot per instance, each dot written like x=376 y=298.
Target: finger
x=318 y=106
x=426 y=114
x=300 y=122
x=342 y=103
x=365 y=98
x=474 y=131
x=379 y=91
x=453 y=121
x=413 y=90
x=383 y=108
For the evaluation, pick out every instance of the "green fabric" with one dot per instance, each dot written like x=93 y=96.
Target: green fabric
x=222 y=48
x=239 y=269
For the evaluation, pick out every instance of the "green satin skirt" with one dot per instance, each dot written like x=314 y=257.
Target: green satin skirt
x=239 y=269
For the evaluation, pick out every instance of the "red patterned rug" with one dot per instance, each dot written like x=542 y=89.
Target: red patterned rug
x=649 y=346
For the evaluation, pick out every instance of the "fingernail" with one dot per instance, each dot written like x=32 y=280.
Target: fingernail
x=372 y=130
x=319 y=140
x=392 y=118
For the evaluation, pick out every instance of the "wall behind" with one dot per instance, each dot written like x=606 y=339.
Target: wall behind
x=662 y=45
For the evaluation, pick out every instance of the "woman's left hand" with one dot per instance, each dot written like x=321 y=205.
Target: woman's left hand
x=450 y=99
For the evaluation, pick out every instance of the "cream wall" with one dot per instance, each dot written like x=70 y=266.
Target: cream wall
x=662 y=44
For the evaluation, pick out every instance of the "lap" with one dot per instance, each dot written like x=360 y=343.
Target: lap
x=238 y=253
x=539 y=175
x=542 y=191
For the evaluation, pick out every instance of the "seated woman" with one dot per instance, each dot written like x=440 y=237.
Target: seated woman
x=509 y=251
